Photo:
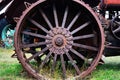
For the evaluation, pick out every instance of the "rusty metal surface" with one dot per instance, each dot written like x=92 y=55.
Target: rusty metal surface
x=60 y=41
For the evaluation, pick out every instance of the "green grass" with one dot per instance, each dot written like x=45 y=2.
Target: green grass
x=10 y=69
x=109 y=71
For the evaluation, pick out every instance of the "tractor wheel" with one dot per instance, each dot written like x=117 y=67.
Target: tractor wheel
x=8 y=36
x=59 y=39
x=115 y=27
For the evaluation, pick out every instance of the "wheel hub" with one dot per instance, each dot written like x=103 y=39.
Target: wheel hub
x=59 y=40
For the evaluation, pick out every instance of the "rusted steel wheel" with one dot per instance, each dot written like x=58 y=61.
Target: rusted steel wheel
x=59 y=37
x=115 y=27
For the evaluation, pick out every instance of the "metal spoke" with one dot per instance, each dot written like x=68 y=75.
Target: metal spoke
x=34 y=44
x=78 y=54
x=45 y=60
x=38 y=54
x=63 y=65
x=73 y=21
x=82 y=37
x=36 y=35
x=81 y=27
x=116 y=30
x=38 y=25
x=46 y=19
x=30 y=51
x=54 y=63
x=85 y=46
x=73 y=63
x=65 y=17
x=55 y=16
x=118 y=23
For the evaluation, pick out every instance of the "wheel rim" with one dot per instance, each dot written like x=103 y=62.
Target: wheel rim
x=7 y=36
x=59 y=41
x=115 y=27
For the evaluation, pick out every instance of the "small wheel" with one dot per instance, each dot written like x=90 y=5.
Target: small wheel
x=8 y=36
x=115 y=27
x=59 y=34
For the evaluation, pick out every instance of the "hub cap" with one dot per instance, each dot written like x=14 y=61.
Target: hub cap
x=60 y=40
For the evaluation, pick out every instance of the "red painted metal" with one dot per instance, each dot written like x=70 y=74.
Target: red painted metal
x=112 y=2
